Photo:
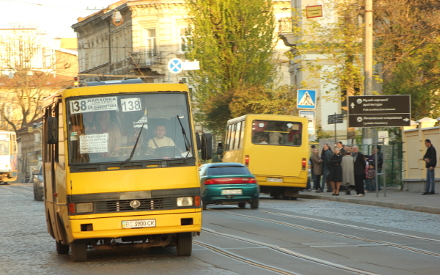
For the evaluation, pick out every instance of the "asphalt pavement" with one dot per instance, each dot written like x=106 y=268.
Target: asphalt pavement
x=392 y=197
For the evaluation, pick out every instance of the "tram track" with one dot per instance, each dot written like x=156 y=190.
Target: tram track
x=353 y=226
x=390 y=244
x=284 y=251
x=243 y=259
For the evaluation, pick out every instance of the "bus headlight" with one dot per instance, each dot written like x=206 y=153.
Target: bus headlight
x=84 y=207
x=184 y=201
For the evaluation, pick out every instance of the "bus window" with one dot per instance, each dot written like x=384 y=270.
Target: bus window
x=228 y=138
x=4 y=147
x=277 y=133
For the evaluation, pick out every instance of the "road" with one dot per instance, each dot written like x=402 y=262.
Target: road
x=281 y=237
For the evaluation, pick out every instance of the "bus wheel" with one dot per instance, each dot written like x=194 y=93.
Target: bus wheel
x=242 y=204
x=254 y=204
x=62 y=249
x=184 y=244
x=79 y=250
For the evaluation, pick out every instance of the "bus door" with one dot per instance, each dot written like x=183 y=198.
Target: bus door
x=50 y=159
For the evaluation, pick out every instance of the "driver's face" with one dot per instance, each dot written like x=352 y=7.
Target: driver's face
x=160 y=131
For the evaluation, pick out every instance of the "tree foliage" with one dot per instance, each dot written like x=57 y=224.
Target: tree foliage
x=234 y=42
x=407 y=47
x=336 y=42
x=33 y=72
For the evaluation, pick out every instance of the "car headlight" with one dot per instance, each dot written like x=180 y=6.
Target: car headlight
x=84 y=207
x=184 y=201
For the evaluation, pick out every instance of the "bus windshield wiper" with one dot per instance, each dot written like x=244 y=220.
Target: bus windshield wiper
x=134 y=147
x=185 y=137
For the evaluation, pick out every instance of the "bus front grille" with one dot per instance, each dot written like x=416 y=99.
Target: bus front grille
x=124 y=205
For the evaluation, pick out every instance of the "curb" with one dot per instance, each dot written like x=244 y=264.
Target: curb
x=402 y=206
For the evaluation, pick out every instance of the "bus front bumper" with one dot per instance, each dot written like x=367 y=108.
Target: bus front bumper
x=112 y=227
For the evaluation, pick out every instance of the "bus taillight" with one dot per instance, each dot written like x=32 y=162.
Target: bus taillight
x=304 y=163
x=71 y=208
x=197 y=201
x=246 y=160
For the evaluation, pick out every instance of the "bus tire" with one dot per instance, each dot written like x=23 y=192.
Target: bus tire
x=254 y=204
x=79 y=250
x=242 y=205
x=62 y=249
x=184 y=244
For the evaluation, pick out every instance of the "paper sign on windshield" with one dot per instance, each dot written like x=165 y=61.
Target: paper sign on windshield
x=96 y=104
x=97 y=143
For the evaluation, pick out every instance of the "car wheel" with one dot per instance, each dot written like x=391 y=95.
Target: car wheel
x=204 y=205
x=62 y=249
x=184 y=244
x=254 y=204
x=79 y=250
x=242 y=205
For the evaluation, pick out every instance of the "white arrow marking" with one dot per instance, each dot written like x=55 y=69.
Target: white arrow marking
x=352 y=105
x=406 y=120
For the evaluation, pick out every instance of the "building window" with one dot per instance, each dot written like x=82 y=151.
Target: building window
x=184 y=39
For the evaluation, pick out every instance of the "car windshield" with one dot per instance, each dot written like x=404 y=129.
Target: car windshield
x=227 y=170
x=284 y=133
x=106 y=128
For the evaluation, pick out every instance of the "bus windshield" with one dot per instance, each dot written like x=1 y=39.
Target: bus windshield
x=283 y=133
x=106 y=128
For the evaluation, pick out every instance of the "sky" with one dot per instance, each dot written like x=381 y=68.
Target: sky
x=54 y=17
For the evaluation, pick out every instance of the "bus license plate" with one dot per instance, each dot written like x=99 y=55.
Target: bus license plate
x=139 y=224
x=274 y=180
x=232 y=192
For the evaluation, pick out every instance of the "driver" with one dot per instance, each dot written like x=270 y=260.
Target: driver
x=160 y=140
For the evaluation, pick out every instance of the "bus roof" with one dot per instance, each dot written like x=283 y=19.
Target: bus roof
x=264 y=117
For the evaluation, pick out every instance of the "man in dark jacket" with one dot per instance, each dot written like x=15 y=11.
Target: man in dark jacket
x=430 y=158
x=359 y=171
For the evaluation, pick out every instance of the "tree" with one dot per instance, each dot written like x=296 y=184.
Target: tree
x=234 y=42
x=336 y=42
x=32 y=74
x=407 y=48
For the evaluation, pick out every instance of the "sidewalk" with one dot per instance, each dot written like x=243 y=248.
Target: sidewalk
x=394 y=199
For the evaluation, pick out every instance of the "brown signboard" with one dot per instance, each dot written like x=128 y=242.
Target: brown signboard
x=379 y=111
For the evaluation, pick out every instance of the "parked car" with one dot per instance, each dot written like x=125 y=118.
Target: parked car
x=37 y=180
x=228 y=183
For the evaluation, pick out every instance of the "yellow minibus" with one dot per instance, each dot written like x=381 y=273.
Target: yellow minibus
x=275 y=149
x=120 y=165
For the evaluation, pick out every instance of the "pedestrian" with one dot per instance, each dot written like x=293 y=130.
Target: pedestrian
x=341 y=147
x=378 y=166
x=312 y=176
x=335 y=173
x=347 y=171
x=359 y=171
x=430 y=158
x=27 y=177
x=370 y=180
x=326 y=155
x=316 y=169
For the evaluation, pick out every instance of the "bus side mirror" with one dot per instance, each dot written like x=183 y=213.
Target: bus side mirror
x=198 y=143
x=52 y=130
x=206 y=146
x=220 y=149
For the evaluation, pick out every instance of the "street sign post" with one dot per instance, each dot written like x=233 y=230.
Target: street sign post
x=336 y=118
x=379 y=111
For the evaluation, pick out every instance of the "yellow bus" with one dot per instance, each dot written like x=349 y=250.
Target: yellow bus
x=275 y=149
x=121 y=167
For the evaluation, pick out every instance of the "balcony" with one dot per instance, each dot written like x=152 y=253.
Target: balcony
x=146 y=59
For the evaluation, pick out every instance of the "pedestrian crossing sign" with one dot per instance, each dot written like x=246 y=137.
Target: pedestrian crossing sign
x=306 y=99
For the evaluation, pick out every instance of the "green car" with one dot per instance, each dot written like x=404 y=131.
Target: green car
x=228 y=183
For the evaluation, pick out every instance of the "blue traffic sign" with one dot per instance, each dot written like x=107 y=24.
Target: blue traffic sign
x=306 y=99
x=175 y=66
